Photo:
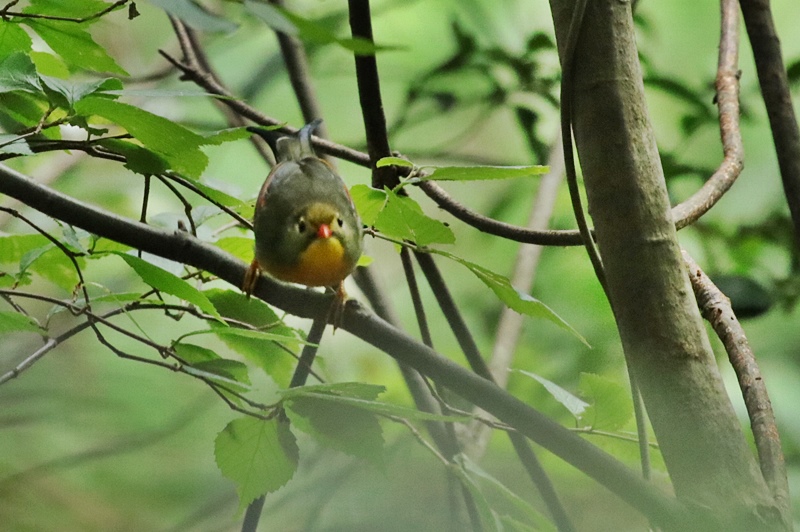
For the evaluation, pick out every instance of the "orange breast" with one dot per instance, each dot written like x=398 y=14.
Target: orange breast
x=323 y=263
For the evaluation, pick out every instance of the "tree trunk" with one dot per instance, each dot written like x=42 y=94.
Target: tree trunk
x=662 y=334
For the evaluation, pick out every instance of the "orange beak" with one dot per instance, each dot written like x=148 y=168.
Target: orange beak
x=324 y=231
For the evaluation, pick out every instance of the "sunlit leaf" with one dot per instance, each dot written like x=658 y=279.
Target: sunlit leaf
x=16 y=322
x=393 y=161
x=402 y=217
x=259 y=456
x=169 y=283
x=481 y=173
x=74 y=44
x=179 y=146
x=369 y=202
x=13 y=39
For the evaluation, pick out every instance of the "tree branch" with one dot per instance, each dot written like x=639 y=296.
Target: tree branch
x=727 y=98
x=778 y=99
x=181 y=247
x=716 y=309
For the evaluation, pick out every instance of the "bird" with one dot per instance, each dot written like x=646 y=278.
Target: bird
x=306 y=227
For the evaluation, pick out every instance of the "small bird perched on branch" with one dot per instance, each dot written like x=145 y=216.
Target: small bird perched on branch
x=307 y=230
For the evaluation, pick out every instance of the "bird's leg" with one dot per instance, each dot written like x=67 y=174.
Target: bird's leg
x=337 y=306
x=251 y=278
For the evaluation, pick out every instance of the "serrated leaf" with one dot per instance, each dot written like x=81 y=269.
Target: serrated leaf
x=195 y=16
x=169 y=283
x=482 y=173
x=369 y=202
x=75 y=45
x=345 y=428
x=610 y=403
x=210 y=365
x=513 y=298
x=574 y=404
x=269 y=355
x=13 y=39
x=179 y=146
x=72 y=91
x=16 y=322
x=226 y=135
x=18 y=73
x=137 y=158
x=14 y=144
x=259 y=456
x=402 y=217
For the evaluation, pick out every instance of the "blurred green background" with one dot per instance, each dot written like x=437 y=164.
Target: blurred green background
x=93 y=442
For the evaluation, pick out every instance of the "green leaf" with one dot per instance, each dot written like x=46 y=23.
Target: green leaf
x=14 y=144
x=345 y=428
x=259 y=456
x=394 y=161
x=610 y=403
x=48 y=64
x=285 y=21
x=238 y=246
x=57 y=268
x=222 y=136
x=369 y=202
x=402 y=217
x=17 y=73
x=481 y=173
x=211 y=365
x=75 y=45
x=268 y=354
x=487 y=483
x=195 y=16
x=179 y=146
x=370 y=405
x=16 y=322
x=25 y=109
x=13 y=39
x=513 y=298
x=488 y=517
x=574 y=404
x=73 y=91
x=77 y=10
x=169 y=283
x=137 y=158
x=13 y=248
x=357 y=390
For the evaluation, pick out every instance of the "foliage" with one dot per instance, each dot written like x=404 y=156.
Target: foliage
x=75 y=84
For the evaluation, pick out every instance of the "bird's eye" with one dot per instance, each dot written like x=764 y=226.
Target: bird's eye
x=341 y=222
x=301 y=226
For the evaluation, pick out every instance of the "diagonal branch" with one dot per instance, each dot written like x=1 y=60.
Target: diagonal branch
x=778 y=99
x=179 y=246
x=716 y=309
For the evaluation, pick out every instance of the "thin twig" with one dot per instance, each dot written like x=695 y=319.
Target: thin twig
x=716 y=309
x=369 y=96
x=778 y=98
x=727 y=98
x=470 y=349
x=5 y=13
x=509 y=326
